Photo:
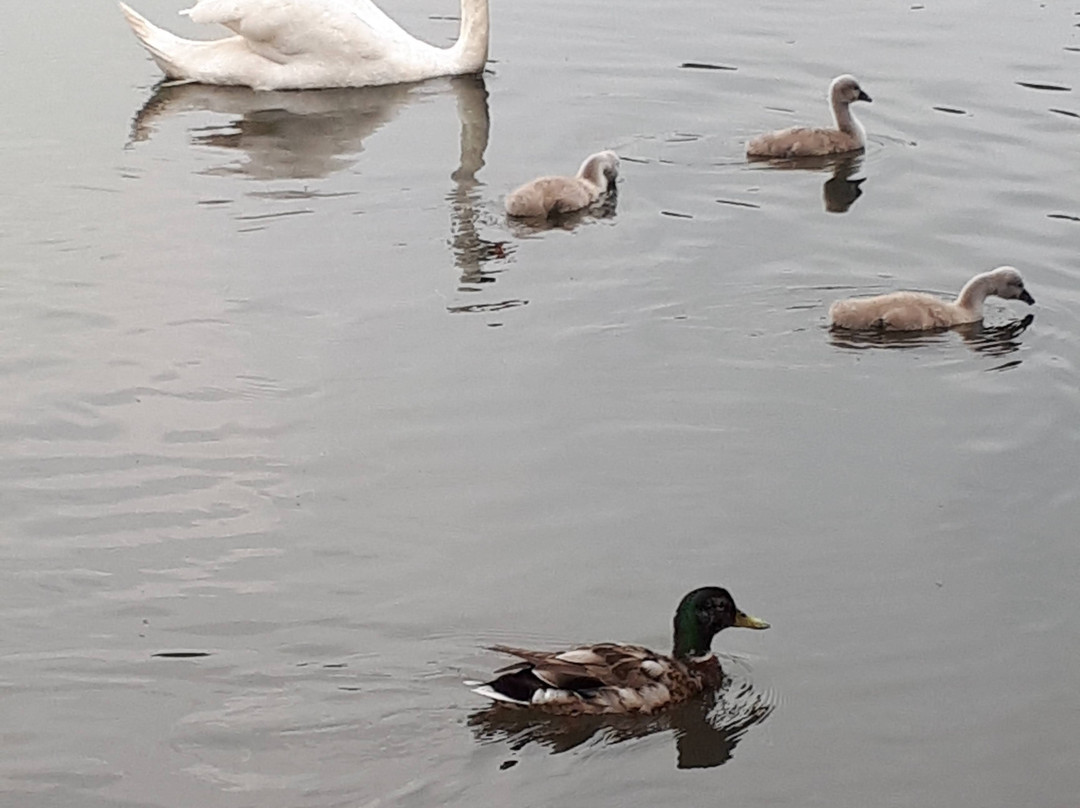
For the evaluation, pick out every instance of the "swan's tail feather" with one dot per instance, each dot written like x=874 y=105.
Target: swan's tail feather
x=158 y=42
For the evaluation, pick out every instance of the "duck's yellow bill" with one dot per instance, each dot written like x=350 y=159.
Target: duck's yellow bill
x=743 y=620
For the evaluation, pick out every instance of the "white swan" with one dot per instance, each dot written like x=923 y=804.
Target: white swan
x=310 y=44
x=918 y=311
x=798 y=141
x=546 y=195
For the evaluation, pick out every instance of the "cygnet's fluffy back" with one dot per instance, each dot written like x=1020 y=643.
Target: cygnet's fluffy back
x=551 y=195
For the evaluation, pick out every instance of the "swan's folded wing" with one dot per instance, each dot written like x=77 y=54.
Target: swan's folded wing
x=282 y=30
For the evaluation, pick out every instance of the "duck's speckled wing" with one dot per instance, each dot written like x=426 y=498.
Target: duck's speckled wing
x=593 y=666
x=596 y=679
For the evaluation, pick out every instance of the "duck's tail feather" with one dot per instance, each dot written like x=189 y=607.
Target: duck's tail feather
x=158 y=42
x=488 y=691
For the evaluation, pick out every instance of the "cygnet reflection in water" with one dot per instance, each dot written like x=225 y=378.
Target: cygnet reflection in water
x=839 y=191
x=801 y=141
x=997 y=340
x=706 y=729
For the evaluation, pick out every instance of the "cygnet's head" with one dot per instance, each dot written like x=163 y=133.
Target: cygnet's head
x=601 y=169
x=845 y=89
x=1007 y=283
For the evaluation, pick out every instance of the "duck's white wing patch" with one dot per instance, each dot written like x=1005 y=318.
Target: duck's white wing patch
x=652 y=668
x=551 y=695
x=580 y=656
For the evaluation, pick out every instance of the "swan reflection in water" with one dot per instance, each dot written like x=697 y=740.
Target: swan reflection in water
x=706 y=729
x=992 y=340
x=472 y=252
x=314 y=134
x=839 y=191
x=279 y=135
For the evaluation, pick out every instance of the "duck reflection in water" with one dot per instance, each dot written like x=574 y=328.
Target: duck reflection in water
x=992 y=340
x=839 y=191
x=706 y=729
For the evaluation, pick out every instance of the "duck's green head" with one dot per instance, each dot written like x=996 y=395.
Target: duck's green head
x=704 y=612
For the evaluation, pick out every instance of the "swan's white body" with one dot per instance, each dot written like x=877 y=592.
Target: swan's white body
x=798 y=141
x=919 y=311
x=546 y=195
x=310 y=44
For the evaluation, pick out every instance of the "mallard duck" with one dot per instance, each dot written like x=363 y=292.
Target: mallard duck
x=547 y=195
x=799 y=141
x=310 y=44
x=919 y=311
x=614 y=678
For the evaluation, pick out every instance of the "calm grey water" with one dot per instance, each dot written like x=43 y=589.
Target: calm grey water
x=283 y=387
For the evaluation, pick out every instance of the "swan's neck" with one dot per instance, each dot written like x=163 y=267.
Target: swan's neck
x=847 y=122
x=470 y=51
x=975 y=292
